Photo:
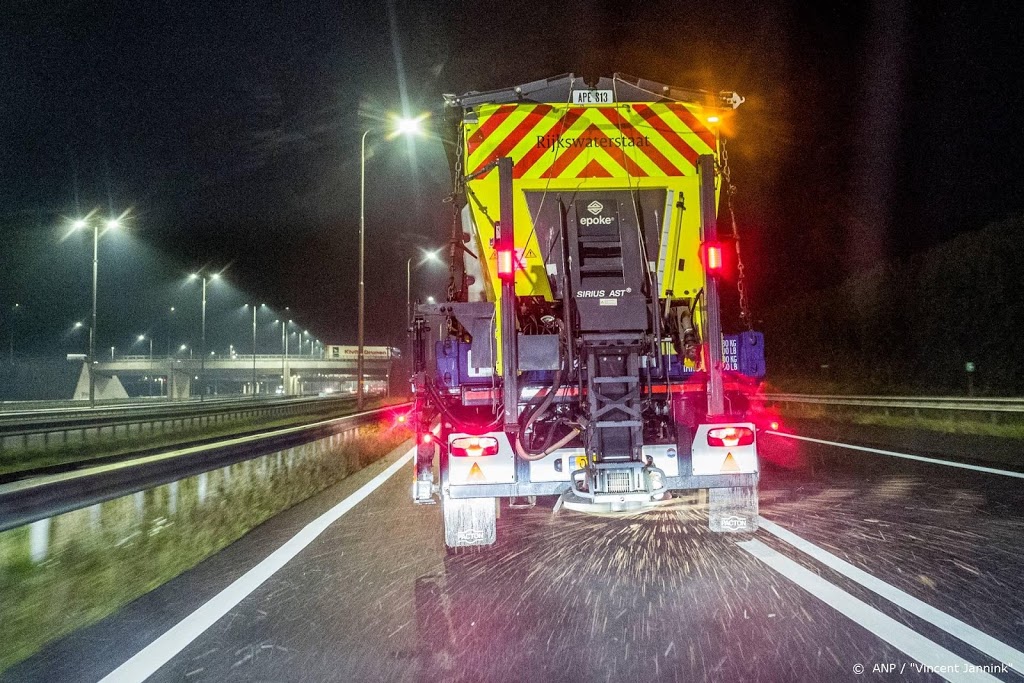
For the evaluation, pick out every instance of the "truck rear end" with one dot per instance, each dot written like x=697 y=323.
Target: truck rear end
x=580 y=353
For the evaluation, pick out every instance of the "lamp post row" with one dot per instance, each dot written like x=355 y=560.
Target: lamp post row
x=404 y=126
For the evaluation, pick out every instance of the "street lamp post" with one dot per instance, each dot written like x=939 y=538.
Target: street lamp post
x=427 y=256
x=254 y=350
x=111 y=224
x=405 y=126
x=282 y=351
x=170 y=318
x=362 y=237
x=202 y=353
x=142 y=337
x=14 y=320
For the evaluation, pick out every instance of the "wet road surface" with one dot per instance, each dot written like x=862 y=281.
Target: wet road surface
x=904 y=564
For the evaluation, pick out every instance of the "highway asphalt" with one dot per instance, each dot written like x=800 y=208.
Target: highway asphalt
x=870 y=567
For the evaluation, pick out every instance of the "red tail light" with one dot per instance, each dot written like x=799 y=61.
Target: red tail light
x=713 y=255
x=506 y=264
x=474 y=446
x=774 y=426
x=730 y=436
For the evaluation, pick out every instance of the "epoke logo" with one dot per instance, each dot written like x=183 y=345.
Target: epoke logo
x=595 y=207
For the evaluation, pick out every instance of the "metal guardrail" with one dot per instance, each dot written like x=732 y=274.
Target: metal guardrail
x=218 y=356
x=951 y=403
x=52 y=421
x=16 y=409
x=46 y=427
x=29 y=500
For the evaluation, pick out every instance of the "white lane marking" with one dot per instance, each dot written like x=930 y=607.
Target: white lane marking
x=160 y=651
x=934 y=461
x=930 y=654
x=997 y=650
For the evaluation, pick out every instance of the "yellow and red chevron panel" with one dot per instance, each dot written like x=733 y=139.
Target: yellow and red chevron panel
x=548 y=141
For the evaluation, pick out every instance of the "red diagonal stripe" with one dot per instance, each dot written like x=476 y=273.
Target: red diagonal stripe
x=652 y=152
x=594 y=169
x=593 y=133
x=694 y=124
x=673 y=138
x=517 y=134
x=561 y=126
x=488 y=126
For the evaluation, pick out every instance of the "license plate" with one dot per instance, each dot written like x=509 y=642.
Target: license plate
x=581 y=462
x=593 y=96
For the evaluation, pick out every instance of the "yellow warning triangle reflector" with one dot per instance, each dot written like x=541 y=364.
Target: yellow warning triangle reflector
x=477 y=474
x=730 y=464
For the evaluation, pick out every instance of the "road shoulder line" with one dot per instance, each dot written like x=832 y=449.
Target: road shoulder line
x=906 y=456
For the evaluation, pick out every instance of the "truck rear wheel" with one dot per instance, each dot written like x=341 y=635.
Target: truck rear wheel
x=469 y=521
x=733 y=510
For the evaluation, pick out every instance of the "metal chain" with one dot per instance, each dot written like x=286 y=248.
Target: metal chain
x=741 y=287
x=457 y=184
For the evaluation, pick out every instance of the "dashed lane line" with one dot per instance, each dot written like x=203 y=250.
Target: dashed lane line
x=932 y=656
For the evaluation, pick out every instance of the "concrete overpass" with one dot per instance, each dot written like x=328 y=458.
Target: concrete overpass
x=291 y=375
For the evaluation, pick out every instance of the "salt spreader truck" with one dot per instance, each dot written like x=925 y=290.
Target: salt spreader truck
x=580 y=351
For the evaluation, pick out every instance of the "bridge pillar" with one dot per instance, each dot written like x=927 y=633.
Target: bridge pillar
x=286 y=379
x=107 y=386
x=179 y=385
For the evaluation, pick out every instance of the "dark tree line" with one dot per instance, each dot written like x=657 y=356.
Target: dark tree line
x=911 y=326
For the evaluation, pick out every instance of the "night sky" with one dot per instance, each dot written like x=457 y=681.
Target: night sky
x=230 y=131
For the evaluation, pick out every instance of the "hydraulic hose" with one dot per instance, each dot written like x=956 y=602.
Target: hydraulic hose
x=457 y=422
x=549 y=450
x=531 y=416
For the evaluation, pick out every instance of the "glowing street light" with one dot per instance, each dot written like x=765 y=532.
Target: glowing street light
x=404 y=126
x=430 y=256
x=143 y=337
